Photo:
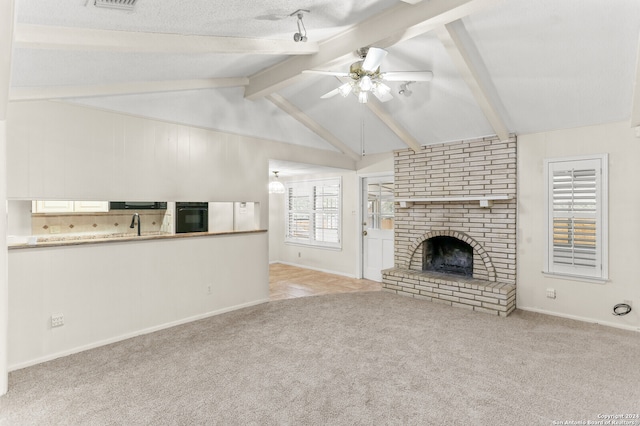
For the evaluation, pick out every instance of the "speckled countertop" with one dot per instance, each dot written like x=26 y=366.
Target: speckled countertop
x=74 y=240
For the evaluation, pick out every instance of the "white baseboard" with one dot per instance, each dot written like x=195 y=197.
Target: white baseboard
x=316 y=269
x=132 y=334
x=579 y=318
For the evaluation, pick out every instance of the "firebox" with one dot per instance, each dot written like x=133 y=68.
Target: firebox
x=447 y=255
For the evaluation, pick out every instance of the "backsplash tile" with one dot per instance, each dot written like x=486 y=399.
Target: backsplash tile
x=98 y=223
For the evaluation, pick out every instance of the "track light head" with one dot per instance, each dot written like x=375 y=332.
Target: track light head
x=404 y=89
x=301 y=35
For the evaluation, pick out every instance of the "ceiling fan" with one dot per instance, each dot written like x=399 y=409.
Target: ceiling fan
x=366 y=77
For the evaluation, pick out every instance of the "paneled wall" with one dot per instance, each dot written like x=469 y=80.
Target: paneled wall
x=67 y=152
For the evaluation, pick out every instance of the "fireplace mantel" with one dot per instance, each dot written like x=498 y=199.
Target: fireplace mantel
x=484 y=200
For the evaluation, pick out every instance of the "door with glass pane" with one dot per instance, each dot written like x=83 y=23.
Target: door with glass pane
x=377 y=226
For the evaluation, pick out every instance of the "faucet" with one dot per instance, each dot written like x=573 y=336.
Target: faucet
x=133 y=222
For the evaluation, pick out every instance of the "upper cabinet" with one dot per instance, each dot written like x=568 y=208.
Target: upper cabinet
x=56 y=206
x=52 y=206
x=90 y=206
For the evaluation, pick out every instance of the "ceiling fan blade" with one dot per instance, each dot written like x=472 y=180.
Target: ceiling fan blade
x=407 y=76
x=374 y=58
x=335 y=74
x=330 y=94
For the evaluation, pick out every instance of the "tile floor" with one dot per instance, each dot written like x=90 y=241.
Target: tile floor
x=288 y=282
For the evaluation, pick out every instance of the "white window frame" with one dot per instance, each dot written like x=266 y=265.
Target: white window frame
x=601 y=271
x=310 y=185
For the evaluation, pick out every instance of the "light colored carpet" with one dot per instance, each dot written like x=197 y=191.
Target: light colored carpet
x=367 y=358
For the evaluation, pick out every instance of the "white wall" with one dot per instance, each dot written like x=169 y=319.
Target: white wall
x=112 y=291
x=575 y=299
x=4 y=279
x=63 y=151
x=276 y=226
x=7 y=21
x=19 y=220
x=341 y=261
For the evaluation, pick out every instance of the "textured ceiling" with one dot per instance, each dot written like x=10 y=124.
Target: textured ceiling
x=547 y=64
x=230 y=18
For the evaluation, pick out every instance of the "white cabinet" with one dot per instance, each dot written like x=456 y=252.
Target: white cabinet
x=90 y=206
x=57 y=206
x=53 y=206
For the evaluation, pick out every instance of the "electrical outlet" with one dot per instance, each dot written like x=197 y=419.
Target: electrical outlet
x=57 y=320
x=209 y=289
x=551 y=293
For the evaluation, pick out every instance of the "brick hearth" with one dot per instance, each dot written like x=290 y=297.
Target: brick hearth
x=461 y=292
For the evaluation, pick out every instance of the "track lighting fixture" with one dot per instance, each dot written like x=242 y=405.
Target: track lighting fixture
x=404 y=89
x=301 y=35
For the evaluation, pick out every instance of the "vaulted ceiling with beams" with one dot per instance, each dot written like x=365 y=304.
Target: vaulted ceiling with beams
x=499 y=66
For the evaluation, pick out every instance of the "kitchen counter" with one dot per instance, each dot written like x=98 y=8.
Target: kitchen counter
x=74 y=240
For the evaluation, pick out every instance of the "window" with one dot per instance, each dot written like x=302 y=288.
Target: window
x=313 y=213
x=577 y=210
x=380 y=209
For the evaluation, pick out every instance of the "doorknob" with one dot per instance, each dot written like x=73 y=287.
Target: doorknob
x=364 y=233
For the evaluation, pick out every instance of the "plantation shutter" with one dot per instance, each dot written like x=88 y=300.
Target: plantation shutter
x=575 y=217
x=298 y=218
x=313 y=212
x=326 y=203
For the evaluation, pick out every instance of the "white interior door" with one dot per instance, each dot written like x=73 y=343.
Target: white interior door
x=377 y=226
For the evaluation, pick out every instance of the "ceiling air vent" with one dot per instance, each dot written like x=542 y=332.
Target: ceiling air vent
x=116 y=4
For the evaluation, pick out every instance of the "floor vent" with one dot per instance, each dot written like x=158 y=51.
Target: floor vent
x=116 y=4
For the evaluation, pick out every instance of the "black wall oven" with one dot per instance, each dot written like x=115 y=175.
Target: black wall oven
x=192 y=217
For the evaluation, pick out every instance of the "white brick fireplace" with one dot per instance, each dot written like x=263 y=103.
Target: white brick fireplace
x=466 y=192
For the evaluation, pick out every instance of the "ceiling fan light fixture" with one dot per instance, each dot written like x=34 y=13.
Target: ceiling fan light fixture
x=365 y=77
x=366 y=84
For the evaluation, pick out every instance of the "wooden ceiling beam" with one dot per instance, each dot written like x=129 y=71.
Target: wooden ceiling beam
x=312 y=125
x=29 y=36
x=63 y=92
x=393 y=125
x=399 y=23
x=471 y=67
